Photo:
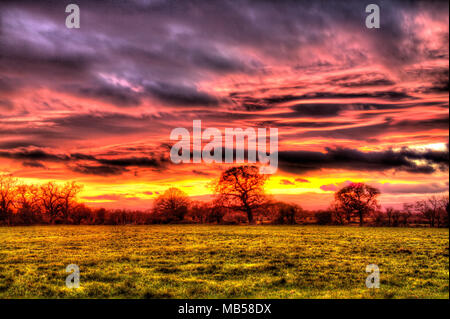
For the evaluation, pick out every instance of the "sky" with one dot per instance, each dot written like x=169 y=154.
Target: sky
x=97 y=104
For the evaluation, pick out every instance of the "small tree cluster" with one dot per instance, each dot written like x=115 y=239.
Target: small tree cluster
x=434 y=210
x=30 y=204
x=239 y=198
x=356 y=199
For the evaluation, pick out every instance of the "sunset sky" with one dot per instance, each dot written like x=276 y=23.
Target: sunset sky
x=97 y=104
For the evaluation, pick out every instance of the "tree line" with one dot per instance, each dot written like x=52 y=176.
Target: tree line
x=239 y=198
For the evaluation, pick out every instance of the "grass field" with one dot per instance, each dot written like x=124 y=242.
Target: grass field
x=200 y=261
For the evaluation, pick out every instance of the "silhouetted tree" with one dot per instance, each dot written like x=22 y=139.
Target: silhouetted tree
x=68 y=195
x=435 y=209
x=198 y=211
x=215 y=213
x=27 y=204
x=285 y=213
x=324 y=217
x=50 y=198
x=337 y=213
x=407 y=213
x=445 y=208
x=8 y=193
x=396 y=214
x=358 y=199
x=389 y=212
x=378 y=218
x=173 y=204
x=206 y=212
x=241 y=188
x=431 y=209
x=80 y=214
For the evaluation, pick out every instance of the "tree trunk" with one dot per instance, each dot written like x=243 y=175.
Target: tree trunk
x=349 y=218
x=249 y=215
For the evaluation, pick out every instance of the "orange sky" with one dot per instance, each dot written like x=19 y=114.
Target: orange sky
x=97 y=104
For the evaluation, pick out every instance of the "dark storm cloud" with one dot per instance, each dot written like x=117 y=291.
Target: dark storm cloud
x=115 y=96
x=214 y=61
x=116 y=166
x=181 y=95
x=344 y=158
x=16 y=144
x=154 y=160
x=334 y=109
x=185 y=56
x=79 y=156
x=386 y=95
x=33 y=64
x=85 y=163
x=319 y=109
x=440 y=82
x=379 y=82
x=38 y=155
x=192 y=38
x=367 y=132
x=77 y=127
x=103 y=122
x=201 y=173
x=360 y=80
x=101 y=170
x=33 y=164
x=300 y=124
x=132 y=161
x=324 y=109
x=74 y=64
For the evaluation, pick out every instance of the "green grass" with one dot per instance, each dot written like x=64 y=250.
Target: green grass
x=200 y=261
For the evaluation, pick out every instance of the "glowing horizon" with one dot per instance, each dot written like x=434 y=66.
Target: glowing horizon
x=96 y=105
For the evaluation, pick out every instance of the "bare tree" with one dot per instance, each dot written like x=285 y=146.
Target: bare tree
x=338 y=214
x=358 y=199
x=396 y=214
x=27 y=203
x=285 y=213
x=51 y=200
x=423 y=208
x=206 y=212
x=433 y=209
x=445 y=206
x=173 y=204
x=68 y=196
x=216 y=212
x=407 y=213
x=198 y=211
x=389 y=213
x=241 y=188
x=378 y=218
x=8 y=193
x=435 y=206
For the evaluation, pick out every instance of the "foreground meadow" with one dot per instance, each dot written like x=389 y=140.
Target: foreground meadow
x=201 y=261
